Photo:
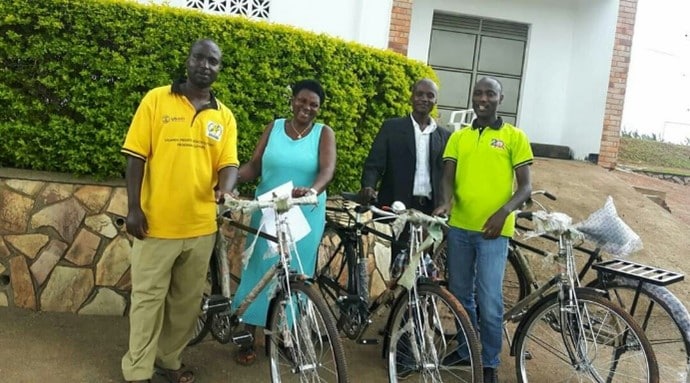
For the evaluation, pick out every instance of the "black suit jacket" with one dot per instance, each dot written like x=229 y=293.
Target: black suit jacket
x=392 y=160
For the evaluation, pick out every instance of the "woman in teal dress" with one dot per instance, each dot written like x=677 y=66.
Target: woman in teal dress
x=297 y=150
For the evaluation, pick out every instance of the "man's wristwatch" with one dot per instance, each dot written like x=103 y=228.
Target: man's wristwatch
x=313 y=191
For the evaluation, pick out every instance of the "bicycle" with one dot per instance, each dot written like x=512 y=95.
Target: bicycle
x=561 y=322
x=639 y=289
x=426 y=322
x=302 y=341
x=576 y=326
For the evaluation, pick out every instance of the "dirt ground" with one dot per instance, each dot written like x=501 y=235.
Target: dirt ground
x=57 y=347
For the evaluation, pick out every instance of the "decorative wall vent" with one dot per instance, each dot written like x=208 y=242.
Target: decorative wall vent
x=251 y=8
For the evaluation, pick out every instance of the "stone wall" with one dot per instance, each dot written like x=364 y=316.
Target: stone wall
x=63 y=244
x=675 y=178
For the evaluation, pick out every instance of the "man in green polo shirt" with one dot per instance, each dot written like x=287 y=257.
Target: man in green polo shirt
x=480 y=165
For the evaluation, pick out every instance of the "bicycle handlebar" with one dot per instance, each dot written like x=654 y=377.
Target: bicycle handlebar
x=409 y=215
x=280 y=203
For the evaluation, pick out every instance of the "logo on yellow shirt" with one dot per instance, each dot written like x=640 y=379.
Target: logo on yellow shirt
x=214 y=130
x=496 y=143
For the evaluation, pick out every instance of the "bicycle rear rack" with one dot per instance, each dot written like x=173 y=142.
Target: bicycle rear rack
x=640 y=272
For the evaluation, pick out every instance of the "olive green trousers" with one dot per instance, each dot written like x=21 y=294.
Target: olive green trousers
x=168 y=279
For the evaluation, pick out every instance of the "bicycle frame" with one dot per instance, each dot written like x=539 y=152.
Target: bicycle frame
x=351 y=236
x=567 y=282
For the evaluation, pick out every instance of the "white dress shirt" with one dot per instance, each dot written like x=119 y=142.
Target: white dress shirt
x=422 y=174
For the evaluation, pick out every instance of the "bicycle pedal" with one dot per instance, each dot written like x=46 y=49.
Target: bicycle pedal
x=215 y=304
x=372 y=341
x=242 y=338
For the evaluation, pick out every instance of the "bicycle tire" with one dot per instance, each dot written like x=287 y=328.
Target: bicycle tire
x=515 y=286
x=667 y=328
x=298 y=348
x=442 y=318
x=540 y=342
x=203 y=323
x=334 y=247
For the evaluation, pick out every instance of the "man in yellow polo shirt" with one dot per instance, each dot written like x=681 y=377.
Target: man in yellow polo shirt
x=182 y=144
x=480 y=165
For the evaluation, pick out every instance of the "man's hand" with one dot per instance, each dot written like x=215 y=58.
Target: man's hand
x=442 y=210
x=493 y=226
x=137 y=225
x=221 y=195
x=367 y=194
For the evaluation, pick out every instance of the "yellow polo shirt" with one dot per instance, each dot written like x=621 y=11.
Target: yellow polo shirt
x=184 y=150
x=486 y=160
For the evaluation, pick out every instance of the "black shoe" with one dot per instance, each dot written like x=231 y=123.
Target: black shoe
x=490 y=375
x=453 y=359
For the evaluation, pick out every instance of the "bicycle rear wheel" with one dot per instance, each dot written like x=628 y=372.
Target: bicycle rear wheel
x=515 y=286
x=334 y=281
x=304 y=345
x=663 y=318
x=203 y=321
x=427 y=336
x=598 y=341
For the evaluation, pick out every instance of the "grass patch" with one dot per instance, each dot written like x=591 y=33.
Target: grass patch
x=654 y=155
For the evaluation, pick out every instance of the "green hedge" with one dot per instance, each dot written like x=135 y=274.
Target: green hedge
x=74 y=71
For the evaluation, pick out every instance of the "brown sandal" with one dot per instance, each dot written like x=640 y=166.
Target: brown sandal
x=182 y=375
x=246 y=355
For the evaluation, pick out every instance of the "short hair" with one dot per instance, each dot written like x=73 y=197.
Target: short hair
x=311 y=85
x=424 y=80
x=491 y=78
x=203 y=42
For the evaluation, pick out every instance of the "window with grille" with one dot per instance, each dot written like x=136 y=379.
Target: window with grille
x=251 y=8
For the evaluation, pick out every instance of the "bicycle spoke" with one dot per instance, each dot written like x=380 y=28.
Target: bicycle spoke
x=592 y=342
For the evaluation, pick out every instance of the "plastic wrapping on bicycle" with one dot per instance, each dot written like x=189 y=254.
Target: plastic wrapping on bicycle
x=281 y=203
x=603 y=228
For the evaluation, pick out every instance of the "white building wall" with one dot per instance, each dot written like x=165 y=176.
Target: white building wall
x=362 y=21
x=568 y=59
x=589 y=75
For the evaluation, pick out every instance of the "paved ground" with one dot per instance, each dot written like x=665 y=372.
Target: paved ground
x=60 y=347
x=39 y=347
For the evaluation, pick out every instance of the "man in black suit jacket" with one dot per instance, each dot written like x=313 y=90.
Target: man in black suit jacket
x=406 y=157
x=393 y=158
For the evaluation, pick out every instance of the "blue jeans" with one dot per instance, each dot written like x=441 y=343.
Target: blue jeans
x=478 y=264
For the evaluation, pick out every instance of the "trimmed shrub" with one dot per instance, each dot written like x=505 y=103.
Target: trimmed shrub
x=74 y=71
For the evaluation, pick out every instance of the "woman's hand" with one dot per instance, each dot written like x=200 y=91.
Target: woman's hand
x=302 y=191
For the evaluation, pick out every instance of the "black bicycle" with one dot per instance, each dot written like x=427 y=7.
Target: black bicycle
x=640 y=289
x=426 y=323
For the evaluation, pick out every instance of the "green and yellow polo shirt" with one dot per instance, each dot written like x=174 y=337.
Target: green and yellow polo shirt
x=184 y=150
x=486 y=159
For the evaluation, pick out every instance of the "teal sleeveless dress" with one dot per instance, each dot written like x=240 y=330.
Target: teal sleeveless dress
x=284 y=160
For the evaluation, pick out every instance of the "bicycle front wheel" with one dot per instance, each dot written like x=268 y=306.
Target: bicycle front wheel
x=597 y=341
x=304 y=345
x=665 y=321
x=432 y=339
